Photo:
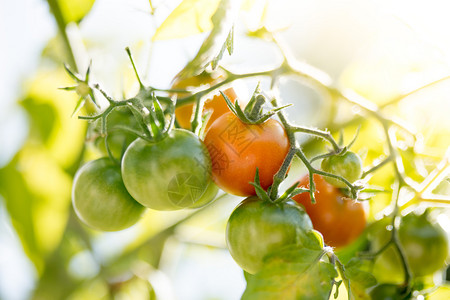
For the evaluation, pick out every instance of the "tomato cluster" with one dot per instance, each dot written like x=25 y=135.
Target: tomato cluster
x=167 y=174
x=241 y=153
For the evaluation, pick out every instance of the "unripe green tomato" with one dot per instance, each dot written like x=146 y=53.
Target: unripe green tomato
x=388 y=292
x=257 y=228
x=348 y=165
x=207 y=197
x=100 y=199
x=425 y=245
x=170 y=174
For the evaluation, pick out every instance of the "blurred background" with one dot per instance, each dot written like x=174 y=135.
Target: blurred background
x=380 y=49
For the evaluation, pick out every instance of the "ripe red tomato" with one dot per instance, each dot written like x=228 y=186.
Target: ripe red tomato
x=339 y=219
x=237 y=149
x=216 y=104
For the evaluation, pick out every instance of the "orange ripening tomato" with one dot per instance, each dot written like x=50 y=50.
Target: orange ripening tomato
x=340 y=219
x=216 y=105
x=237 y=149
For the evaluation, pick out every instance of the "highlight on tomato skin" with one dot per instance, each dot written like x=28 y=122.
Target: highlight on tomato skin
x=215 y=104
x=100 y=198
x=348 y=165
x=169 y=174
x=237 y=149
x=257 y=228
x=340 y=220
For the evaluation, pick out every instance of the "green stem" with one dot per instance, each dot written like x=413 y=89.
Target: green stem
x=59 y=18
x=377 y=166
x=281 y=174
x=142 y=117
x=400 y=98
x=191 y=98
x=395 y=236
x=323 y=134
x=341 y=270
x=196 y=124
x=393 y=154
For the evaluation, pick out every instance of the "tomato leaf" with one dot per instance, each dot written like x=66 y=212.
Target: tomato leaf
x=228 y=45
x=258 y=189
x=359 y=280
x=73 y=11
x=189 y=18
x=441 y=293
x=79 y=105
x=291 y=274
x=222 y=21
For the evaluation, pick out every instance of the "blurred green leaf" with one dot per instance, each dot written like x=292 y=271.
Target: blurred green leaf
x=42 y=119
x=292 y=274
x=20 y=208
x=228 y=45
x=189 y=18
x=35 y=184
x=223 y=20
x=360 y=280
x=442 y=293
x=74 y=11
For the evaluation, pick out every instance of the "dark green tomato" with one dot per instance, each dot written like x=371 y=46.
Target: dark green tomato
x=257 y=228
x=348 y=165
x=170 y=174
x=118 y=139
x=100 y=199
x=388 y=292
x=425 y=245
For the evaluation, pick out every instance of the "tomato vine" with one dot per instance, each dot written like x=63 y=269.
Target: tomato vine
x=155 y=115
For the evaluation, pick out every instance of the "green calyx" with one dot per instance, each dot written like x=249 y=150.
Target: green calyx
x=153 y=120
x=82 y=88
x=286 y=196
x=253 y=112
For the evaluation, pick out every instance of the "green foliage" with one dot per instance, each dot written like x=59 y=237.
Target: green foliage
x=189 y=18
x=291 y=274
x=74 y=11
x=359 y=279
x=220 y=37
x=36 y=183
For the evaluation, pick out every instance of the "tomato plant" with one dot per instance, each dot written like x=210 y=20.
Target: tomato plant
x=257 y=228
x=100 y=198
x=347 y=165
x=118 y=139
x=250 y=151
x=388 y=292
x=237 y=149
x=339 y=219
x=216 y=104
x=425 y=245
x=168 y=174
